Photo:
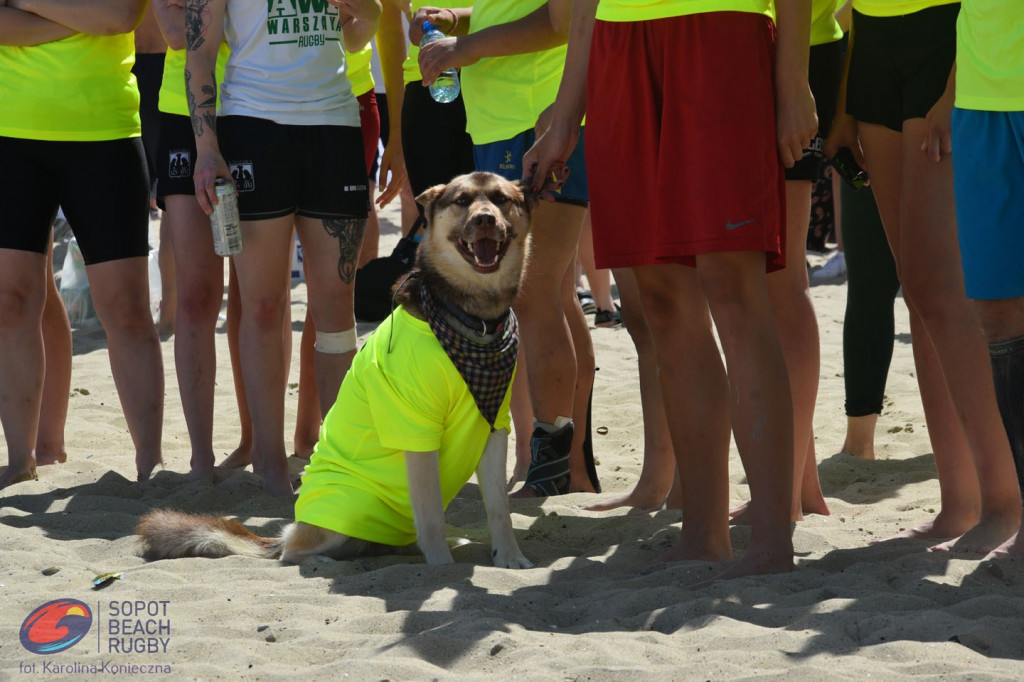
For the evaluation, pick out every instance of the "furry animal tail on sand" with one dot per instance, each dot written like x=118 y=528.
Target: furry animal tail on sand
x=173 y=535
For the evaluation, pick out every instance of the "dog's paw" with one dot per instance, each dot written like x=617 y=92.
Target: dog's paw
x=439 y=558
x=509 y=557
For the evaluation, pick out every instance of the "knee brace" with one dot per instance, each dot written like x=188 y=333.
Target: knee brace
x=336 y=343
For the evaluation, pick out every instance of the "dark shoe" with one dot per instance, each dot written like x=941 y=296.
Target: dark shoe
x=549 y=461
x=608 y=318
x=586 y=301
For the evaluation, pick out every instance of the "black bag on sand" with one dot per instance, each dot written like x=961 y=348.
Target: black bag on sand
x=376 y=279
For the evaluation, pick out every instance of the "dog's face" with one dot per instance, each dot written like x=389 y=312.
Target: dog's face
x=478 y=226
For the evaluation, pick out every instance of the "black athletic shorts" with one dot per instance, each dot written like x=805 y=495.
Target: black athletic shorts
x=824 y=73
x=103 y=188
x=312 y=171
x=900 y=65
x=175 y=156
x=434 y=139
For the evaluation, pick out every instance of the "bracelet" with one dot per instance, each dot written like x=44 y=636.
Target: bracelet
x=455 y=20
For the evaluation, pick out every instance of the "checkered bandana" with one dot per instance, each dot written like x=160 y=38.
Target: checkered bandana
x=485 y=361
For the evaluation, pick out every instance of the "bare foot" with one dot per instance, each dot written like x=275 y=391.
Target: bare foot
x=1012 y=547
x=942 y=526
x=44 y=457
x=145 y=463
x=276 y=479
x=742 y=516
x=239 y=459
x=636 y=499
x=814 y=503
x=754 y=563
x=202 y=468
x=9 y=476
x=692 y=551
x=860 y=436
x=983 y=538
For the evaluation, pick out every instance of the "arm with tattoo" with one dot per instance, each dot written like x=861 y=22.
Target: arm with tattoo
x=204 y=30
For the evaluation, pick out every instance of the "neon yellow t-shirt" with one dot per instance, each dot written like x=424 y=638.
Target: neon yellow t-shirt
x=646 y=10
x=411 y=65
x=894 y=8
x=824 y=27
x=172 y=87
x=79 y=89
x=402 y=393
x=505 y=95
x=358 y=70
x=990 y=56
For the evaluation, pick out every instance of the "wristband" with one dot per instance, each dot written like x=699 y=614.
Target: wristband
x=455 y=20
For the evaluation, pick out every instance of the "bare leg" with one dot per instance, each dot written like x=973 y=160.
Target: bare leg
x=120 y=291
x=659 y=463
x=331 y=250
x=371 y=237
x=550 y=358
x=263 y=269
x=698 y=421
x=53 y=413
x=522 y=419
x=600 y=280
x=579 y=480
x=921 y=226
x=307 y=418
x=168 y=286
x=22 y=362
x=200 y=284
x=241 y=456
x=760 y=406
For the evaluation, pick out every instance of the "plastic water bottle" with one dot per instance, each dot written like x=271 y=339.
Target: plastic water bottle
x=446 y=88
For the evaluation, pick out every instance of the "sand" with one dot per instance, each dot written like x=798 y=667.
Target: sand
x=594 y=607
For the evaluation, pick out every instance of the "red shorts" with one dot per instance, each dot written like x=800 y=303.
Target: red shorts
x=688 y=104
x=369 y=121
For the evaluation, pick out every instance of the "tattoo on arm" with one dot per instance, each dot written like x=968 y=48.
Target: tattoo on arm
x=202 y=114
x=349 y=233
x=196 y=16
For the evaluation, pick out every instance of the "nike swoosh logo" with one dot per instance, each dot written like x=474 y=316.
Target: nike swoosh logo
x=732 y=226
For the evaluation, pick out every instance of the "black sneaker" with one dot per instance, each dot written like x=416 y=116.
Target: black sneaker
x=549 y=461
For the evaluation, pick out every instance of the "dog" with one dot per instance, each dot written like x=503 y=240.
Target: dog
x=355 y=497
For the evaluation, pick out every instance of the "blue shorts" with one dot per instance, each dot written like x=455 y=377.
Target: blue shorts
x=506 y=159
x=988 y=171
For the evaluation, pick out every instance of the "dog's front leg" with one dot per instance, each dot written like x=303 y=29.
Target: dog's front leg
x=490 y=474
x=427 y=505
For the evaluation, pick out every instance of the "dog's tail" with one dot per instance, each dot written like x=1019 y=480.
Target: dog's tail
x=172 y=535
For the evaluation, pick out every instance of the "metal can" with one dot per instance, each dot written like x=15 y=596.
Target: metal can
x=227 y=231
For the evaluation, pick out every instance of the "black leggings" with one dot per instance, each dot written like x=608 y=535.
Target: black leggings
x=434 y=139
x=872 y=284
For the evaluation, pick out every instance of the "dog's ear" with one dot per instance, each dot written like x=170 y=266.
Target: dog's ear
x=427 y=199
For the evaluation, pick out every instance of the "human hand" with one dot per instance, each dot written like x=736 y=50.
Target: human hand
x=208 y=167
x=391 y=162
x=544 y=169
x=441 y=18
x=443 y=54
x=843 y=133
x=795 y=119
x=938 y=139
x=364 y=10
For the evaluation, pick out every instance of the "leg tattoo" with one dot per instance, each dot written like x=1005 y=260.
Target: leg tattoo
x=349 y=233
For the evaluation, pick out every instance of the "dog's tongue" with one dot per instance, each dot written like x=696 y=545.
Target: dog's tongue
x=485 y=251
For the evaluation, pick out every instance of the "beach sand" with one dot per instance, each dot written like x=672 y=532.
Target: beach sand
x=594 y=607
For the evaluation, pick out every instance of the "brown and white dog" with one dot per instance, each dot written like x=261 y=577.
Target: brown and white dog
x=471 y=256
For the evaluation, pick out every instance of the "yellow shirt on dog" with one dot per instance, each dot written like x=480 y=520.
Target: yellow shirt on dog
x=402 y=393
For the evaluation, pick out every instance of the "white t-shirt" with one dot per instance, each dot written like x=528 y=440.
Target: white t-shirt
x=287 y=64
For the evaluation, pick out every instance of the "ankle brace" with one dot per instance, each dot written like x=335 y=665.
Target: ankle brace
x=1008 y=375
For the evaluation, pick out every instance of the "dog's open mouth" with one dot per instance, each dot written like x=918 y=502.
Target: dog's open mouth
x=483 y=254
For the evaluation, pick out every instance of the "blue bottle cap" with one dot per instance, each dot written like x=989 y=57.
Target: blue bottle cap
x=428 y=27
